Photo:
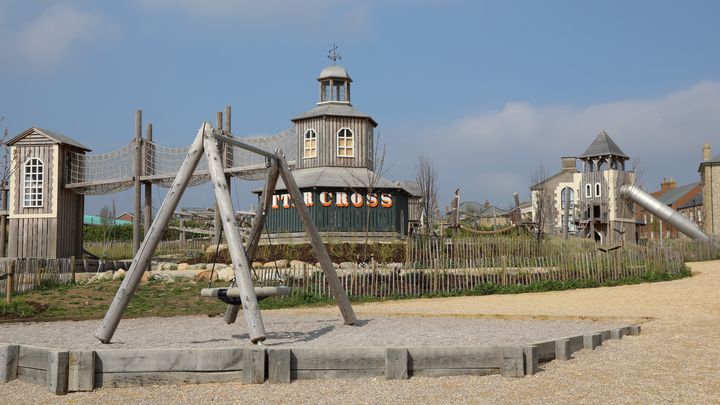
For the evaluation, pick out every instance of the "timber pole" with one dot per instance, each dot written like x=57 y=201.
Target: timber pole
x=217 y=222
x=257 y=228
x=148 y=185
x=3 y=219
x=137 y=173
x=152 y=238
x=318 y=246
x=241 y=264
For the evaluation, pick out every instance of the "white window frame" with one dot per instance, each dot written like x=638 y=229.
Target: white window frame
x=33 y=195
x=345 y=148
x=597 y=190
x=588 y=190
x=310 y=152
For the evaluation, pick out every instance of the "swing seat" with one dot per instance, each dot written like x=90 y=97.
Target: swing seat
x=231 y=295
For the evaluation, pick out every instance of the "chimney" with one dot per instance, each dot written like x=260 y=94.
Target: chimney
x=487 y=204
x=568 y=163
x=706 y=152
x=667 y=185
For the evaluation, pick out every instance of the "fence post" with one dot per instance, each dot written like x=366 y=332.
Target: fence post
x=72 y=268
x=9 y=284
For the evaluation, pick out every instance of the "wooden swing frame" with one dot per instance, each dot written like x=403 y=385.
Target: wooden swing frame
x=206 y=142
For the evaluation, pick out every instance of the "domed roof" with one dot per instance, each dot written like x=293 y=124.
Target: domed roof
x=334 y=72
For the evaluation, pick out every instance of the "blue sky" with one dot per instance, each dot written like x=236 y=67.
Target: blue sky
x=490 y=90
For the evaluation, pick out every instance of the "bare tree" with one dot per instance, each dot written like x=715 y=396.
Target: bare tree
x=541 y=200
x=426 y=177
x=369 y=183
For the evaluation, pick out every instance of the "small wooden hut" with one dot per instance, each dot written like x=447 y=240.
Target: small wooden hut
x=45 y=219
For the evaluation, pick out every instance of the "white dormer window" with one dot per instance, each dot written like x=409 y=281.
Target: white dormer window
x=588 y=191
x=345 y=143
x=34 y=172
x=597 y=189
x=310 y=144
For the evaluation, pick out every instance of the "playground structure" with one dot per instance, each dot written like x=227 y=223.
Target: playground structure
x=206 y=144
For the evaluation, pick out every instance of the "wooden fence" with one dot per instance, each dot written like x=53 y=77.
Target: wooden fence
x=377 y=282
x=27 y=274
x=118 y=250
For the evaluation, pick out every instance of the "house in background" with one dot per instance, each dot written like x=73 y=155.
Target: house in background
x=125 y=216
x=683 y=198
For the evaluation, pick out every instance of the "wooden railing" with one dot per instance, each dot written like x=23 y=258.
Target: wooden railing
x=27 y=274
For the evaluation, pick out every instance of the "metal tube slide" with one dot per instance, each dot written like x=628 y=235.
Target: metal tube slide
x=663 y=212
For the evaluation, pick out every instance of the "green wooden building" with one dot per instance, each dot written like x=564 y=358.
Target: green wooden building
x=336 y=170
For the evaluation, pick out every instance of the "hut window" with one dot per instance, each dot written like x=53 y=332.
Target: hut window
x=33 y=183
x=326 y=91
x=339 y=91
x=588 y=191
x=597 y=189
x=310 y=144
x=345 y=143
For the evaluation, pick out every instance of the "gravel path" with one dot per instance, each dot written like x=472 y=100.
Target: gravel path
x=675 y=359
x=300 y=330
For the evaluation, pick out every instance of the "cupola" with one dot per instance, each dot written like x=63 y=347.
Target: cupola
x=334 y=82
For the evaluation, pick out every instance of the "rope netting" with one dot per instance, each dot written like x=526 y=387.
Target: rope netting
x=114 y=171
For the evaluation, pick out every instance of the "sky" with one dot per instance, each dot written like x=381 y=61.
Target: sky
x=489 y=90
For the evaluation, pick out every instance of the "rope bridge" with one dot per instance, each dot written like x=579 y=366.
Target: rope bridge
x=114 y=171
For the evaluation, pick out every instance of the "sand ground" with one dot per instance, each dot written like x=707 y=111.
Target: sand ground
x=675 y=359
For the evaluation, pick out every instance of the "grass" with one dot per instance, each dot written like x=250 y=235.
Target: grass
x=90 y=301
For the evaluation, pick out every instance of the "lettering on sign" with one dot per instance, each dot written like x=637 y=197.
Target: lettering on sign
x=337 y=198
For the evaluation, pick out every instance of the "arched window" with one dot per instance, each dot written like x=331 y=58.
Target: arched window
x=345 y=143
x=614 y=164
x=569 y=194
x=34 y=177
x=588 y=166
x=588 y=191
x=597 y=189
x=310 y=144
x=602 y=165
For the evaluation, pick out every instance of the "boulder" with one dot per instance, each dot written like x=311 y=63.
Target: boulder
x=169 y=266
x=197 y=266
x=145 y=277
x=205 y=276
x=298 y=264
x=119 y=274
x=280 y=264
x=218 y=266
x=226 y=274
x=182 y=266
x=105 y=276
x=257 y=265
x=210 y=250
x=348 y=266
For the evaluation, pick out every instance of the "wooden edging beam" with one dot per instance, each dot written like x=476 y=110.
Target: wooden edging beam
x=241 y=264
x=152 y=238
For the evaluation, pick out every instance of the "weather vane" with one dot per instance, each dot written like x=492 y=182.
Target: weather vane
x=333 y=55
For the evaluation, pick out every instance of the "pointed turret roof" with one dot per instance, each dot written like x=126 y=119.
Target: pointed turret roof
x=603 y=145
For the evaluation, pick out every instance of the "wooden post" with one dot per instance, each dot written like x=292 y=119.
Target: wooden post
x=241 y=265
x=137 y=173
x=152 y=239
x=323 y=257
x=257 y=228
x=3 y=219
x=148 y=185
x=72 y=268
x=10 y=282
x=217 y=222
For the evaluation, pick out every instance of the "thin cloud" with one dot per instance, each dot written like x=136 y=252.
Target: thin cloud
x=50 y=37
x=667 y=135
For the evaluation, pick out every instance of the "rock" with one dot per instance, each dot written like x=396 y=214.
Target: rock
x=348 y=266
x=218 y=266
x=182 y=266
x=119 y=274
x=145 y=277
x=394 y=266
x=197 y=266
x=226 y=274
x=210 y=250
x=169 y=266
x=257 y=265
x=280 y=264
x=105 y=276
x=298 y=264
x=205 y=276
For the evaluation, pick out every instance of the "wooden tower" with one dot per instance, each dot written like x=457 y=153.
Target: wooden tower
x=45 y=219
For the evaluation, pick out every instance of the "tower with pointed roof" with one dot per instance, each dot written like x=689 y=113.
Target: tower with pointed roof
x=595 y=209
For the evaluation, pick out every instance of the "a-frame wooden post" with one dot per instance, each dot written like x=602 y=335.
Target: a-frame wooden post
x=241 y=265
x=316 y=241
x=152 y=239
x=257 y=228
